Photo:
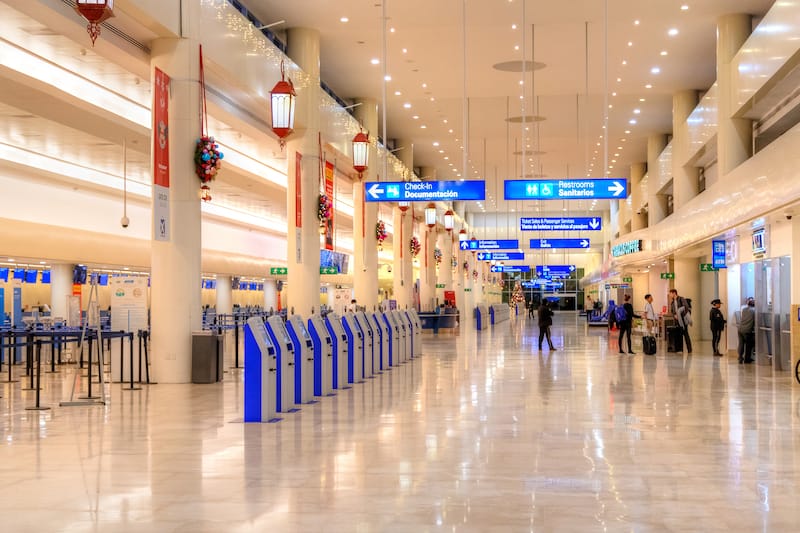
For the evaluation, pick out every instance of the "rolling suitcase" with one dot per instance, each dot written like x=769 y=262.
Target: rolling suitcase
x=649 y=345
x=674 y=339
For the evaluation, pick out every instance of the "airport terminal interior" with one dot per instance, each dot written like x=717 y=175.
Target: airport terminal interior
x=463 y=265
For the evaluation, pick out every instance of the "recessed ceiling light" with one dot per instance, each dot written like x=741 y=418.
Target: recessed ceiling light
x=624 y=62
x=405 y=50
x=632 y=121
x=684 y=7
x=516 y=47
x=433 y=99
x=344 y=19
x=619 y=80
x=397 y=93
x=637 y=111
x=435 y=143
x=391 y=30
x=672 y=32
x=635 y=22
x=663 y=52
x=424 y=85
x=648 y=86
x=387 y=77
x=407 y=105
x=513 y=26
x=375 y=61
x=423 y=127
x=450 y=131
x=415 y=117
x=642 y=100
x=614 y=94
x=630 y=43
x=655 y=70
x=627 y=132
x=446 y=158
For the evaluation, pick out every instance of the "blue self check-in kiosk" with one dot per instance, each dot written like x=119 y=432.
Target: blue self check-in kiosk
x=285 y=352
x=405 y=349
x=334 y=324
x=413 y=317
x=260 y=374
x=303 y=358
x=323 y=356
x=394 y=338
x=369 y=344
x=355 y=349
x=381 y=341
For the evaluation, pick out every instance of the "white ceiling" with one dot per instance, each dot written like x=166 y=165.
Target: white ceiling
x=425 y=57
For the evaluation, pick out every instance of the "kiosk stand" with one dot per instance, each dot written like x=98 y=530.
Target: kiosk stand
x=260 y=374
x=405 y=350
x=334 y=324
x=323 y=356
x=381 y=340
x=394 y=338
x=285 y=355
x=413 y=317
x=355 y=349
x=369 y=344
x=304 y=360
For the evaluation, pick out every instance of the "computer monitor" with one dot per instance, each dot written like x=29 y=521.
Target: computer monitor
x=3 y=273
x=45 y=276
x=102 y=280
x=79 y=274
x=31 y=276
x=19 y=273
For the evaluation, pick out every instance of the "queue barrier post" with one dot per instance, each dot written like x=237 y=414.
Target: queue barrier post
x=38 y=406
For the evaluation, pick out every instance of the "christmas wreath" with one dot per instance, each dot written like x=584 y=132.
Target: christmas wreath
x=437 y=256
x=415 y=247
x=207 y=158
x=380 y=231
x=324 y=210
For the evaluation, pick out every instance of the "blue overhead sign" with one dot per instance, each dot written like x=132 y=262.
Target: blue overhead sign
x=511 y=269
x=718 y=254
x=424 y=191
x=501 y=256
x=539 y=244
x=561 y=224
x=577 y=189
x=508 y=244
x=554 y=271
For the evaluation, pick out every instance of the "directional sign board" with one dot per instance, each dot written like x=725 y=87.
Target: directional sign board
x=707 y=267
x=501 y=256
x=278 y=271
x=424 y=191
x=566 y=189
x=511 y=268
x=539 y=244
x=508 y=244
x=561 y=224
x=554 y=271
x=718 y=254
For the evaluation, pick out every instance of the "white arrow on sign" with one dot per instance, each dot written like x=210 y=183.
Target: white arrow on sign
x=594 y=223
x=481 y=257
x=584 y=243
x=376 y=190
x=464 y=245
x=616 y=189
x=572 y=268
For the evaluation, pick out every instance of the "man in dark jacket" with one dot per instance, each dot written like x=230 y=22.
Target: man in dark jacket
x=625 y=324
x=545 y=321
x=747 y=332
x=717 y=321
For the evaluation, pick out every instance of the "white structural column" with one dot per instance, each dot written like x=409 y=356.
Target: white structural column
x=403 y=272
x=795 y=282
x=224 y=295
x=175 y=269
x=270 y=295
x=735 y=135
x=656 y=205
x=365 y=215
x=60 y=290
x=638 y=219
x=302 y=152
x=445 y=275
x=684 y=176
x=427 y=272
x=687 y=283
x=615 y=219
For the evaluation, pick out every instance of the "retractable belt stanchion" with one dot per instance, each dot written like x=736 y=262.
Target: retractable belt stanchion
x=29 y=361
x=38 y=406
x=12 y=342
x=236 y=339
x=130 y=353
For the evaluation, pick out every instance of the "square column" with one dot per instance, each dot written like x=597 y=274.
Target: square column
x=656 y=204
x=684 y=176
x=365 y=216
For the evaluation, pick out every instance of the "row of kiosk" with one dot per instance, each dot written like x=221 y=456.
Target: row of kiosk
x=290 y=363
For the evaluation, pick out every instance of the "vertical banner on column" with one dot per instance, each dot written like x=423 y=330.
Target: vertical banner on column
x=160 y=134
x=329 y=192
x=298 y=205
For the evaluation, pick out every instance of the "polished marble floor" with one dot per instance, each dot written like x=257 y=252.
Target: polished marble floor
x=483 y=433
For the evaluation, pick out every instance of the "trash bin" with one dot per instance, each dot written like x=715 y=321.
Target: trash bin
x=207 y=357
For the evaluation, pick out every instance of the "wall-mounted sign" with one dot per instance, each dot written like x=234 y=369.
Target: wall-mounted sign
x=566 y=189
x=627 y=248
x=668 y=275
x=707 y=267
x=506 y=244
x=424 y=191
x=542 y=244
x=278 y=271
x=718 y=254
x=627 y=280
x=511 y=269
x=561 y=224
x=501 y=256
x=759 y=242
x=554 y=271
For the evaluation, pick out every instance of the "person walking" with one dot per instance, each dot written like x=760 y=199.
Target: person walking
x=681 y=310
x=747 y=332
x=717 y=321
x=588 y=308
x=624 y=319
x=545 y=321
x=650 y=317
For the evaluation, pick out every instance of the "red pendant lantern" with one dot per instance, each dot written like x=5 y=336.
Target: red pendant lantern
x=95 y=12
x=403 y=206
x=430 y=215
x=360 y=152
x=449 y=220
x=283 y=98
x=462 y=235
x=205 y=193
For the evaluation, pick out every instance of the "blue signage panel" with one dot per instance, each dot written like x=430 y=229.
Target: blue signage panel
x=501 y=256
x=554 y=271
x=539 y=244
x=424 y=191
x=510 y=269
x=576 y=189
x=718 y=254
x=561 y=224
x=507 y=244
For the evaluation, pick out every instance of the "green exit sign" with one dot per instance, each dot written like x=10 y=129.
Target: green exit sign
x=627 y=280
x=707 y=267
x=440 y=285
x=278 y=271
x=467 y=290
x=668 y=275
x=328 y=270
